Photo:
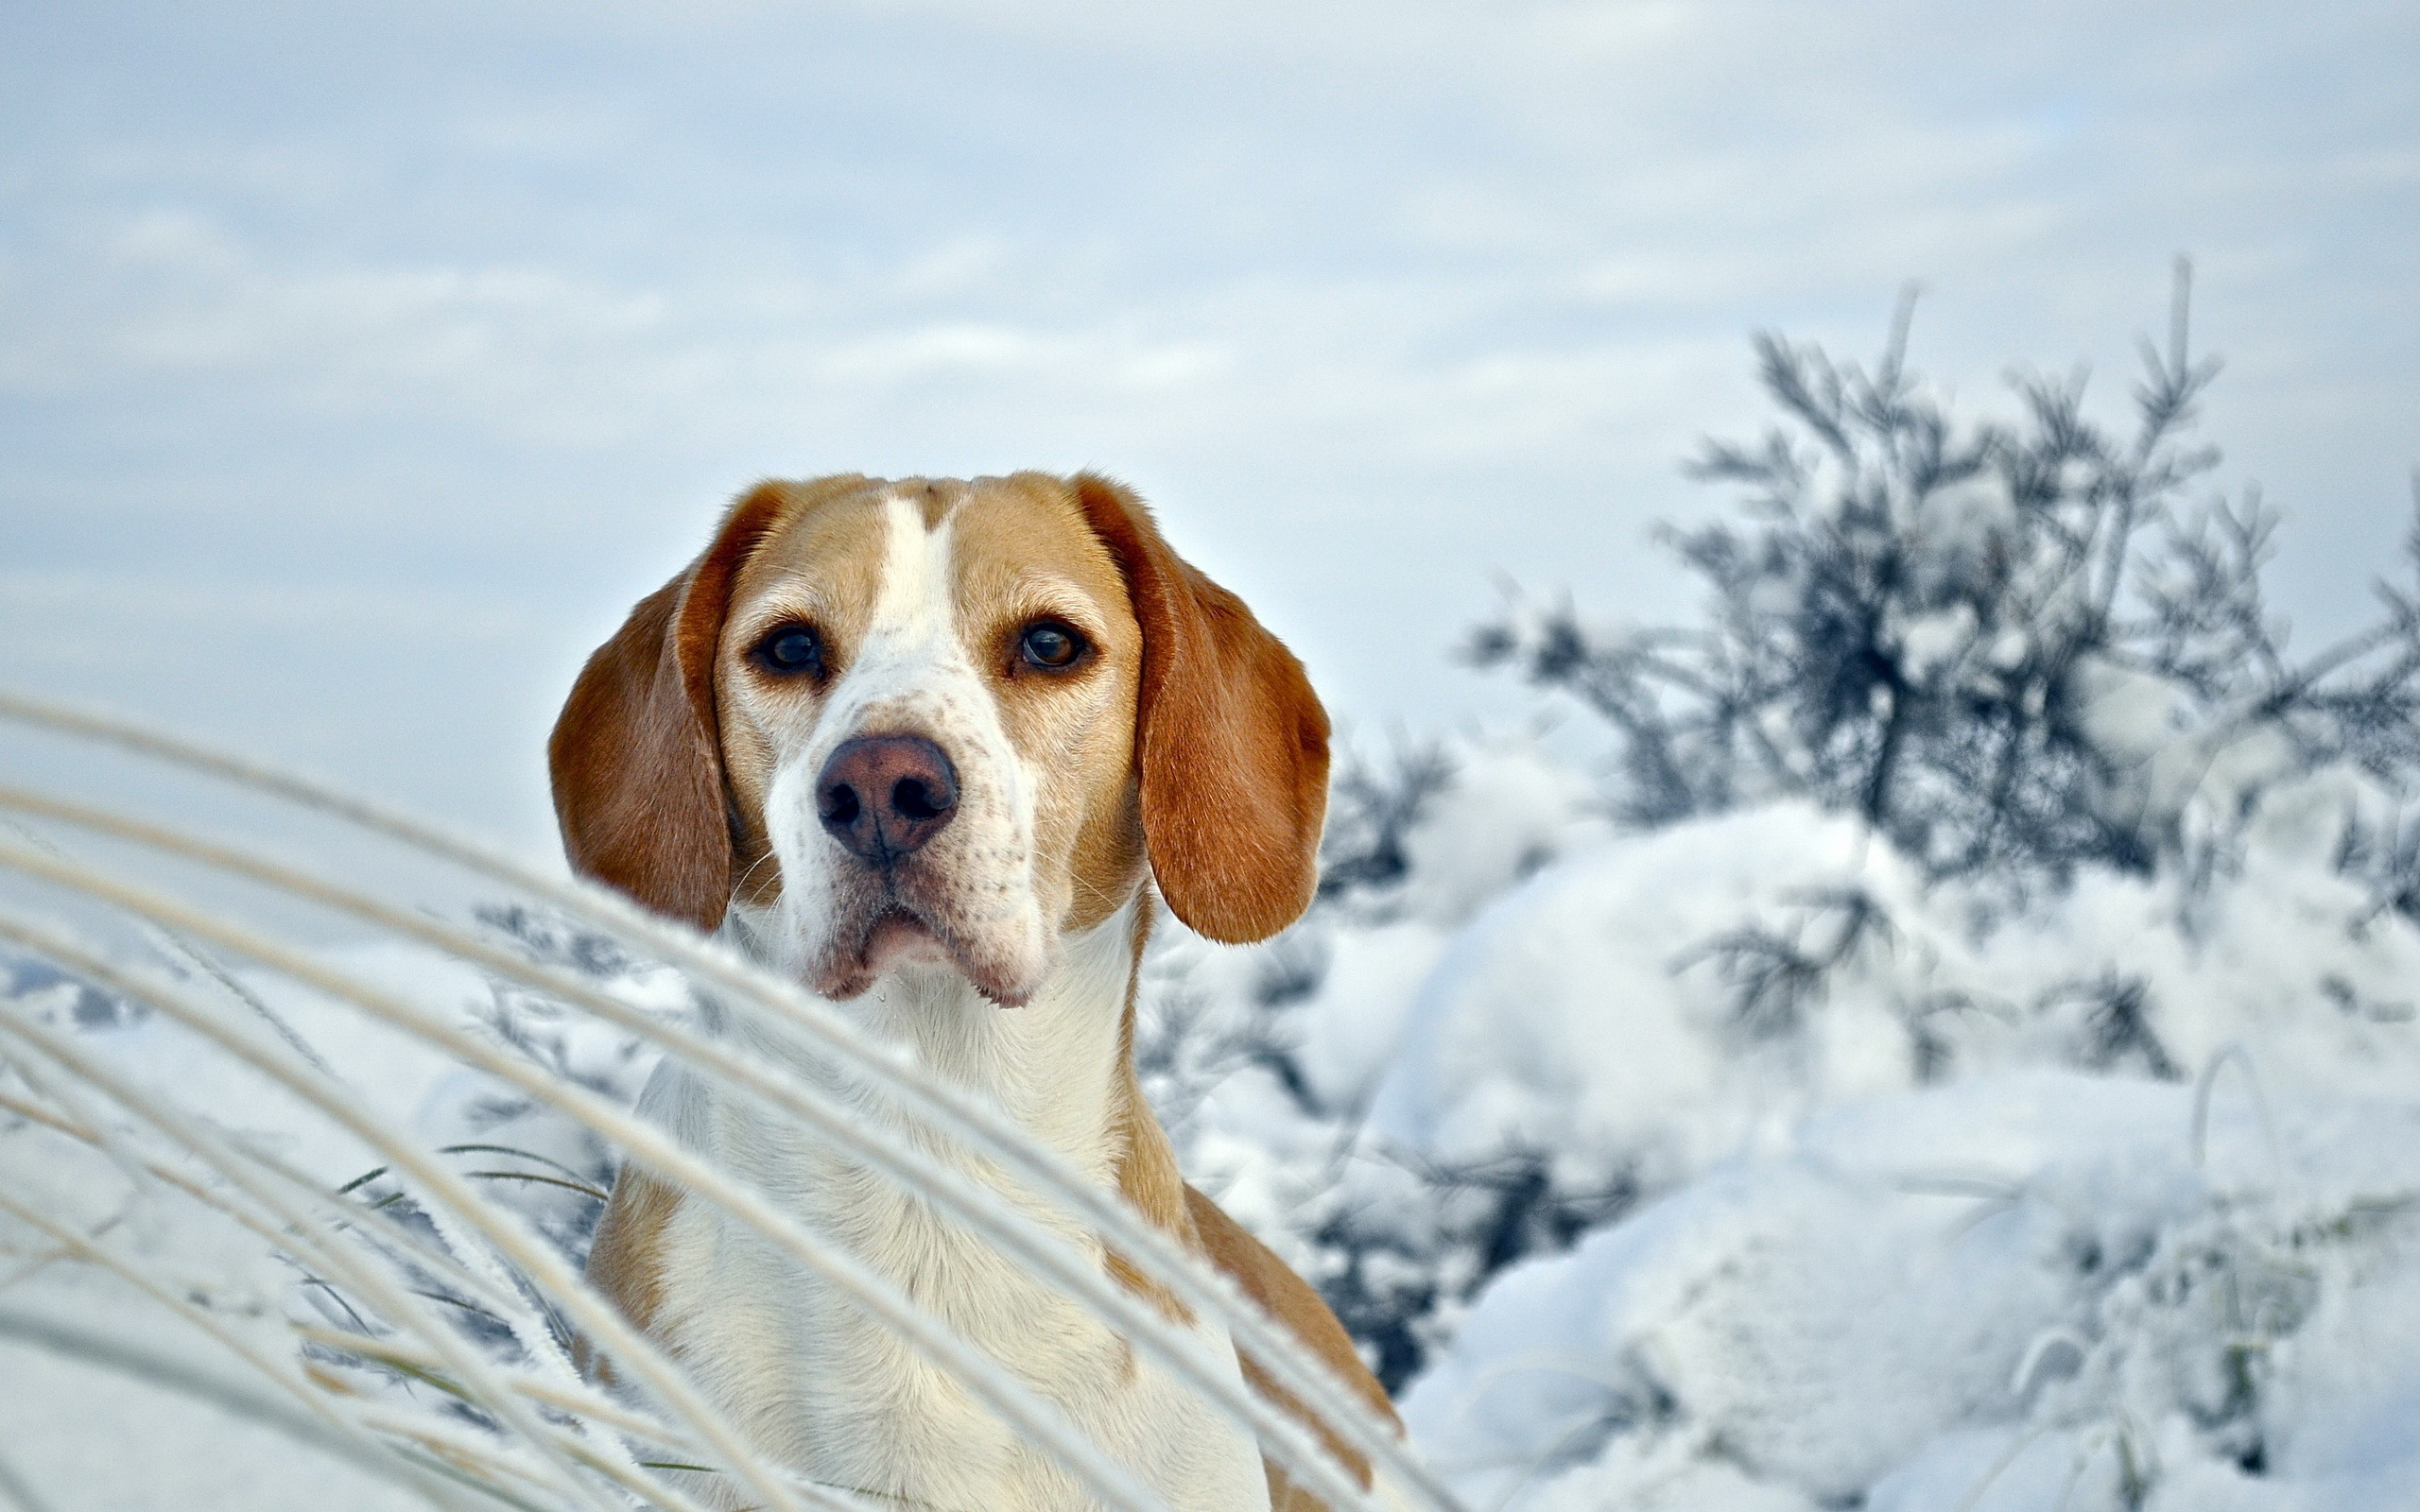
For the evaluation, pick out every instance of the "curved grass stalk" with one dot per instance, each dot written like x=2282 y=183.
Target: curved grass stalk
x=1292 y=1444
x=483 y=1463
x=801 y=1099
x=654 y=1151
x=386 y=1243
x=1291 y=1367
x=478 y=1459
x=394 y=1352
x=584 y=1400
x=364 y=1452
x=110 y=1144
x=1192 y=1283
x=174 y=945
x=413 y=1360
x=646 y=1362
x=535 y=1333
x=301 y=1232
x=216 y=1199
x=318 y=1403
x=656 y=1494
x=577 y=1399
x=398 y=1307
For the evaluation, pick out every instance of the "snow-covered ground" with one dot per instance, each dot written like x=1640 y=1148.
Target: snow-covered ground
x=2103 y=1200
x=1727 y=1165
x=2114 y=1202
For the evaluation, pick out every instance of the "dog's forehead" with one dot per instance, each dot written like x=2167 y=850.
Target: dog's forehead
x=1008 y=537
x=1025 y=536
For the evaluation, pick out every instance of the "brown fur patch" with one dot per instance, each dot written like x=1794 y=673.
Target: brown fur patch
x=626 y=1261
x=636 y=757
x=1022 y=551
x=1290 y=1299
x=1230 y=742
x=820 y=566
x=1147 y=1176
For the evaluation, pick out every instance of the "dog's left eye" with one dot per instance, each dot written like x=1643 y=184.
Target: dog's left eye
x=1050 y=645
x=792 y=649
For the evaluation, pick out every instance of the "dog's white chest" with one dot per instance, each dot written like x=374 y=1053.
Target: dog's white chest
x=831 y=1391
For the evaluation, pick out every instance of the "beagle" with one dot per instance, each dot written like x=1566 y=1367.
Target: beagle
x=927 y=747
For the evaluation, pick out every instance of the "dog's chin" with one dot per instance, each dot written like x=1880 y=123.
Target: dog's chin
x=897 y=938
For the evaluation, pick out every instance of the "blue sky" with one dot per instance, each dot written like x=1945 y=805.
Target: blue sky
x=361 y=364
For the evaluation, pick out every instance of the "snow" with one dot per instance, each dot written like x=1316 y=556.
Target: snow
x=1740 y=1163
x=2107 y=1195
x=1558 y=1018
x=1958 y=1051
x=1838 y=1316
x=86 y=1436
x=1843 y=1186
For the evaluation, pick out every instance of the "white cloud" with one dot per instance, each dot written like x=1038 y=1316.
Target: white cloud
x=1375 y=298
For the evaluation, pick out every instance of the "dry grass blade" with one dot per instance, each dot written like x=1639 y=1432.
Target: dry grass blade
x=932 y=1102
x=1165 y=1344
x=553 y=1275
x=1291 y=1368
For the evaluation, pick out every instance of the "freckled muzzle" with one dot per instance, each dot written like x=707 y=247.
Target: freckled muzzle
x=910 y=877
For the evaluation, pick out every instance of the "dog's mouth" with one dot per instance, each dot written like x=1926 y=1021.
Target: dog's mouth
x=892 y=936
x=901 y=937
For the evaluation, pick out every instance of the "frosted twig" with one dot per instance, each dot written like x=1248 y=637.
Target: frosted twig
x=362 y=1451
x=392 y=1301
x=2234 y=1052
x=319 y=1404
x=904 y=1164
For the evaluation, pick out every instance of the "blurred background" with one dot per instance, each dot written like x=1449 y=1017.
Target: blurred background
x=361 y=364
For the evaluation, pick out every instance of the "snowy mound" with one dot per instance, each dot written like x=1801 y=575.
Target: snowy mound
x=1738 y=1164
x=1986 y=1292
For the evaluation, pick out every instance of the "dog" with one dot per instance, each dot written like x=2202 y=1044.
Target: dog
x=932 y=749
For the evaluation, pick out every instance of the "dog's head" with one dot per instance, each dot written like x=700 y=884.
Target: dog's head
x=943 y=723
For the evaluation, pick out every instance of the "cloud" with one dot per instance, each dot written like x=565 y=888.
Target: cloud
x=1375 y=299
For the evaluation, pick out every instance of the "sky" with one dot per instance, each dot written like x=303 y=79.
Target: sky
x=361 y=364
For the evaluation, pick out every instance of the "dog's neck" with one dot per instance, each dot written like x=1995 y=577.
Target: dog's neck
x=1060 y=1066
x=834 y=1391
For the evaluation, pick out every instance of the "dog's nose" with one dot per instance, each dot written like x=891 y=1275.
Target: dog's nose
x=884 y=796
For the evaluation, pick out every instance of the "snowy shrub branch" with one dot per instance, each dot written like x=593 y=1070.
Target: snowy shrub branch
x=2012 y=645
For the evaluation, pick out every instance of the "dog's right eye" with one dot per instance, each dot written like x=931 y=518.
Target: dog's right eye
x=791 y=651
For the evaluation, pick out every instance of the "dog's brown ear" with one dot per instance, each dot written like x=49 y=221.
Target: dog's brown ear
x=636 y=756
x=1230 y=741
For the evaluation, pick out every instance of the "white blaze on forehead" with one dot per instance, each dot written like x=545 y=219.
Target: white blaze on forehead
x=910 y=664
x=912 y=674
x=913 y=603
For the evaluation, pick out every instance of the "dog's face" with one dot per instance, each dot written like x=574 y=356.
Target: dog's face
x=927 y=695
x=943 y=723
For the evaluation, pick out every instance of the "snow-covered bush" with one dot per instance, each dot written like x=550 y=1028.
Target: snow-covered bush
x=2030 y=1290
x=1809 y=1108
x=2010 y=646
